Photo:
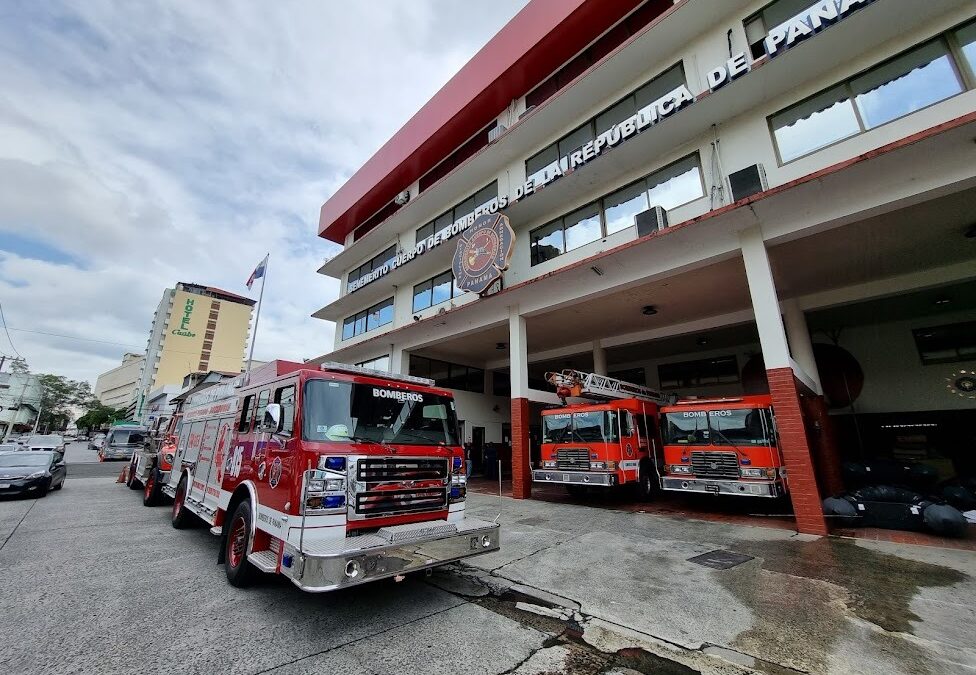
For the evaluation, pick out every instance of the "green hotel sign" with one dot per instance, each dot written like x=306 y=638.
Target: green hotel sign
x=184 y=328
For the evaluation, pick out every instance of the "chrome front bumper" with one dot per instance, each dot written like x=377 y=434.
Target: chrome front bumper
x=326 y=565
x=573 y=477
x=722 y=487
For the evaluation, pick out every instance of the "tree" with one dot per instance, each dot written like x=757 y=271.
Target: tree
x=98 y=414
x=57 y=394
x=19 y=366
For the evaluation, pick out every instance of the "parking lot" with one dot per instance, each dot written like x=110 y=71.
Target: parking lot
x=94 y=582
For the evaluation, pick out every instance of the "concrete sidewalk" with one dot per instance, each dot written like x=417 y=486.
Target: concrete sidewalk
x=820 y=605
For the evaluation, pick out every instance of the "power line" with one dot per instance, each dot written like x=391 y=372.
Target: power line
x=4 y=321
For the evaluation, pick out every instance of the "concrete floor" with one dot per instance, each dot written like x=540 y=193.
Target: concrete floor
x=94 y=582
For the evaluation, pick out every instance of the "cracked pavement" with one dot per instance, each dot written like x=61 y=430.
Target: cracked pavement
x=95 y=583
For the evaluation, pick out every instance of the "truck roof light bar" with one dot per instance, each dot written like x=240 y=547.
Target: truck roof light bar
x=381 y=374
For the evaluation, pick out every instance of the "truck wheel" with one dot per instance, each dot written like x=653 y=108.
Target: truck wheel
x=240 y=572
x=576 y=490
x=646 y=484
x=151 y=490
x=131 y=480
x=182 y=518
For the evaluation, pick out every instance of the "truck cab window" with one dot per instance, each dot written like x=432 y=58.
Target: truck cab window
x=263 y=399
x=286 y=397
x=247 y=414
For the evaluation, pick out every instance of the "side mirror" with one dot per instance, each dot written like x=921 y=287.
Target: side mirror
x=272 y=418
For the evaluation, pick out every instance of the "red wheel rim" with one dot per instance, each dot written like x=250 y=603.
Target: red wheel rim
x=147 y=490
x=237 y=541
x=178 y=500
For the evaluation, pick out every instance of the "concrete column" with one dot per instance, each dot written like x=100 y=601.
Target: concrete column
x=801 y=347
x=599 y=358
x=784 y=388
x=399 y=360
x=519 y=373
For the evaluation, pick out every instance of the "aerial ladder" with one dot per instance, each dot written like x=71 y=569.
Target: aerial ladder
x=579 y=384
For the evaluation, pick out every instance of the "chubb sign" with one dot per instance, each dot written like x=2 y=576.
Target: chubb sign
x=780 y=39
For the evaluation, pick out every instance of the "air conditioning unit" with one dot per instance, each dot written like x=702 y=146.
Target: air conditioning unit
x=402 y=198
x=747 y=182
x=495 y=132
x=652 y=220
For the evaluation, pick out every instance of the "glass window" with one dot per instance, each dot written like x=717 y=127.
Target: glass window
x=582 y=226
x=575 y=139
x=688 y=427
x=738 y=427
x=247 y=414
x=285 y=396
x=547 y=242
x=360 y=326
x=621 y=207
x=379 y=315
x=442 y=221
x=912 y=81
x=263 y=398
x=966 y=38
x=659 y=87
x=440 y=372
x=615 y=115
x=537 y=165
x=425 y=231
x=464 y=208
x=441 y=288
x=347 y=328
x=422 y=295
x=486 y=194
x=677 y=184
x=815 y=123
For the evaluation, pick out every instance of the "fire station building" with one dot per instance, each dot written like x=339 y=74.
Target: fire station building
x=709 y=198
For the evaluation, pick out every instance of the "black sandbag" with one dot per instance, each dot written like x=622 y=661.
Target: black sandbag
x=945 y=520
x=854 y=474
x=921 y=477
x=842 y=510
x=959 y=497
x=887 y=494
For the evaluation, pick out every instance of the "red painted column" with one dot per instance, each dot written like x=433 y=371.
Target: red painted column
x=521 y=454
x=826 y=451
x=805 y=492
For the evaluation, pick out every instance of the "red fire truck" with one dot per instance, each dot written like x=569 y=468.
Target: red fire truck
x=330 y=476
x=613 y=442
x=722 y=446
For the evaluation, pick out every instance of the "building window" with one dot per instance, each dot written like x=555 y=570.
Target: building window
x=769 y=17
x=700 y=373
x=672 y=186
x=632 y=375
x=480 y=198
x=448 y=375
x=435 y=291
x=946 y=344
x=379 y=363
x=373 y=263
x=540 y=165
x=501 y=384
x=965 y=37
x=900 y=86
x=378 y=315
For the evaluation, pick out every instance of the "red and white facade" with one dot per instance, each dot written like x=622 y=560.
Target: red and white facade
x=813 y=167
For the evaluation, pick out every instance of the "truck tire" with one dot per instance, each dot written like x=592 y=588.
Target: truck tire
x=240 y=572
x=130 y=479
x=576 y=490
x=151 y=491
x=646 y=483
x=182 y=519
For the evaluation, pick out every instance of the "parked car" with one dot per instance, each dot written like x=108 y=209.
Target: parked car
x=51 y=442
x=31 y=473
x=96 y=442
x=122 y=442
x=10 y=447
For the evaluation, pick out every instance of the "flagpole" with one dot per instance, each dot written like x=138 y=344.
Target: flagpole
x=257 y=317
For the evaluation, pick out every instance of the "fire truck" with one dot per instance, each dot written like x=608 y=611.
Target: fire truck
x=331 y=476
x=612 y=441
x=722 y=446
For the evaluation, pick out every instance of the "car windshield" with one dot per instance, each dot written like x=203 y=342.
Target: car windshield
x=347 y=412
x=580 y=427
x=127 y=436
x=742 y=426
x=45 y=441
x=25 y=459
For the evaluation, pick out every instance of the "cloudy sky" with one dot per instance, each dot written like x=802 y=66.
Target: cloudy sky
x=144 y=143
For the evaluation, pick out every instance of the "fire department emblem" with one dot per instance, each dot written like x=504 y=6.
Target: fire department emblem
x=274 y=476
x=483 y=253
x=630 y=450
x=962 y=383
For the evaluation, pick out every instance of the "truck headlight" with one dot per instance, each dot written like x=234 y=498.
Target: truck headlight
x=598 y=465
x=335 y=485
x=752 y=473
x=549 y=464
x=680 y=468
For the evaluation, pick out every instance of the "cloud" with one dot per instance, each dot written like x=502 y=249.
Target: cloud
x=155 y=142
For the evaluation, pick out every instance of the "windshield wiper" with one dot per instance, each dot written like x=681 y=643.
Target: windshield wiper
x=425 y=439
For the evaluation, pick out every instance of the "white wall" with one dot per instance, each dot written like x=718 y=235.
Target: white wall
x=477 y=410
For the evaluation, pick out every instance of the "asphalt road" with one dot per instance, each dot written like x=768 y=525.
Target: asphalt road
x=93 y=582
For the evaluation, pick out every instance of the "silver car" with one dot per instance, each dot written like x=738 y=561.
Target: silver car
x=51 y=442
x=122 y=442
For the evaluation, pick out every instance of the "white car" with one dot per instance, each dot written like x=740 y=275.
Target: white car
x=97 y=442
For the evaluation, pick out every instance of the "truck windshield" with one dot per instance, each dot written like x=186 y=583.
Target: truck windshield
x=347 y=412
x=747 y=426
x=580 y=427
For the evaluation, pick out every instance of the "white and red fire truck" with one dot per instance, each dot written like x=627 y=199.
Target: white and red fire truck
x=330 y=476
x=611 y=442
x=722 y=446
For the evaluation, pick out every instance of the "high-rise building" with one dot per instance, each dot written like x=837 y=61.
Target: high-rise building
x=117 y=387
x=195 y=329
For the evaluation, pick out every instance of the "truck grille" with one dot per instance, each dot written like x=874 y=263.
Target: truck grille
x=573 y=458
x=715 y=464
x=400 y=485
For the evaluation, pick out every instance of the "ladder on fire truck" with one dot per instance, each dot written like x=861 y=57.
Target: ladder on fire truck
x=576 y=383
